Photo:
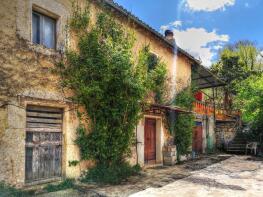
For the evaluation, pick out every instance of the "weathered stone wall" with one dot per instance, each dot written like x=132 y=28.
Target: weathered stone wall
x=12 y=146
x=26 y=77
x=225 y=132
x=211 y=137
x=208 y=132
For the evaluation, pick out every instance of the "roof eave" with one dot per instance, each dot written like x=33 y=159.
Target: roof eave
x=141 y=23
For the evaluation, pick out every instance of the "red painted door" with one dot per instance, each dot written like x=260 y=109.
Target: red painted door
x=198 y=138
x=150 y=140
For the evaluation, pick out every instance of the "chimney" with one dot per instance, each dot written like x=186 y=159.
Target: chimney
x=169 y=35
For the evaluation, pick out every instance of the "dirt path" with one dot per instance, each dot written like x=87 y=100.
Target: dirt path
x=235 y=177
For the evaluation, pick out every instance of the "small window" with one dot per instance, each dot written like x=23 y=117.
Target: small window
x=152 y=61
x=43 y=30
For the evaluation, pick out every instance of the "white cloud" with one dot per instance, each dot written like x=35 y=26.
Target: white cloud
x=217 y=47
x=176 y=23
x=164 y=27
x=172 y=25
x=260 y=57
x=200 y=43
x=208 y=5
x=260 y=61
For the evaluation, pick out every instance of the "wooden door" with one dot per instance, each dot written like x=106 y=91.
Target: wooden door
x=198 y=138
x=150 y=140
x=43 y=143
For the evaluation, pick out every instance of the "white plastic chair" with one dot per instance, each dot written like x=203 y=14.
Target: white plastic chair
x=252 y=146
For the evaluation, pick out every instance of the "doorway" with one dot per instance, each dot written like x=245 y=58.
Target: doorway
x=150 y=140
x=43 y=143
x=198 y=138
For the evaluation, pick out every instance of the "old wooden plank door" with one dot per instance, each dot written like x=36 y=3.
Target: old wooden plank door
x=149 y=140
x=198 y=138
x=43 y=143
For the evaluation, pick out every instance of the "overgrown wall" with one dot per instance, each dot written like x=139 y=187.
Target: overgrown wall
x=26 y=77
x=225 y=132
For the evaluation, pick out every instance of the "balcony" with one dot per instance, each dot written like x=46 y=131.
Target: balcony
x=203 y=108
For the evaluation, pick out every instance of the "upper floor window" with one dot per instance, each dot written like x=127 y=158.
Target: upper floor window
x=44 y=30
x=152 y=61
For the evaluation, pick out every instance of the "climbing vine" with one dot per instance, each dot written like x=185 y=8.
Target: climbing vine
x=180 y=125
x=111 y=84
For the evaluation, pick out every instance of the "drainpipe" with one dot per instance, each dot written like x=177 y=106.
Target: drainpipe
x=214 y=104
x=136 y=146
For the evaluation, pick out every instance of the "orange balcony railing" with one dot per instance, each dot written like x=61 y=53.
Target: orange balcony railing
x=208 y=109
x=203 y=108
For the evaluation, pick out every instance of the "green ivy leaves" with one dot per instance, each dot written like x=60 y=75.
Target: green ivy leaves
x=110 y=83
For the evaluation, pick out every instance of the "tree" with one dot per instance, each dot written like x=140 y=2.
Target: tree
x=236 y=63
x=250 y=100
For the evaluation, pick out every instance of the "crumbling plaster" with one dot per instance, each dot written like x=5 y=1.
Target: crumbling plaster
x=26 y=77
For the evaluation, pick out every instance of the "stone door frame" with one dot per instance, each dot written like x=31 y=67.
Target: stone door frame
x=159 y=139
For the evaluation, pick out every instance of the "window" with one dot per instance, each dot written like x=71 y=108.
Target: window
x=43 y=30
x=152 y=61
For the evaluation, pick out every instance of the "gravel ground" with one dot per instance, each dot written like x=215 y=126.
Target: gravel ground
x=149 y=178
x=235 y=177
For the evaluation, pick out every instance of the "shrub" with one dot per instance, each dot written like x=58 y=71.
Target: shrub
x=66 y=184
x=180 y=125
x=113 y=174
x=9 y=191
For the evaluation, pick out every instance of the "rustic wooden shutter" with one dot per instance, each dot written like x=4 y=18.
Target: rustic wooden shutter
x=43 y=143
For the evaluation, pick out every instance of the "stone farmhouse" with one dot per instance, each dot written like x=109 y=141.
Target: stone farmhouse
x=37 y=120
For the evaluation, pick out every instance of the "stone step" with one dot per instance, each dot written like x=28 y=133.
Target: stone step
x=239 y=139
x=238 y=142
x=236 y=150
x=236 y=145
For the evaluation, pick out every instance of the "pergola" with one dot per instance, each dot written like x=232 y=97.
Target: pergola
x=204 y=78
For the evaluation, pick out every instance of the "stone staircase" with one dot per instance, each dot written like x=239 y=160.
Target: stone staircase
x=238 y=144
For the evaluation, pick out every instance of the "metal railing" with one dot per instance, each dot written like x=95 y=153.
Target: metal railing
x=204 y=108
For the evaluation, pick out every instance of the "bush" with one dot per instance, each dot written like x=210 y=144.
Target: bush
x=113 y=174
x=183 y=133
x=66 y=184
x=9 y=191
x=180 y=125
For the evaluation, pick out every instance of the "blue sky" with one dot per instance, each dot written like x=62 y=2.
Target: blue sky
x=202 y=27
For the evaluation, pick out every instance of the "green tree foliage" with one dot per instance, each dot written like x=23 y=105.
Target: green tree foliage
x=155 y=71
x=183 y=133
x=236 y=63
x=181 y=125
x=250 y=100
x=110 y=84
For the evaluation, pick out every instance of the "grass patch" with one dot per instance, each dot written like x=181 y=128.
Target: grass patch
x=10 y=191
x=113 y=175
x=66 y=184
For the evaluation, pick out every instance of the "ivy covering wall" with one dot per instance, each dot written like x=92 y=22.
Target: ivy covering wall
x=112 y=84
x=180 y=125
